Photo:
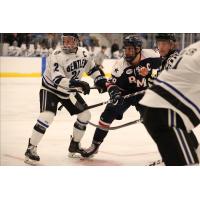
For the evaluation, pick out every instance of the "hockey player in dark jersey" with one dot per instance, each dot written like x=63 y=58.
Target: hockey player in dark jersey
x=130 y=74
x=64 y=70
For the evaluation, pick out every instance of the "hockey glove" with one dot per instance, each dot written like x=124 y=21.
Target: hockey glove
x=100 y=83
x=82 y=84
x=115 y=95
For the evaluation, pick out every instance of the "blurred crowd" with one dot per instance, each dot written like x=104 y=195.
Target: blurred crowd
x=43 y=44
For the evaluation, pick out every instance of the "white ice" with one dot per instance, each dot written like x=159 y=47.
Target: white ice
x=131 y=145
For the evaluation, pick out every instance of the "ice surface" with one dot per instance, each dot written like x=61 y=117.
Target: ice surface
x=20 y=108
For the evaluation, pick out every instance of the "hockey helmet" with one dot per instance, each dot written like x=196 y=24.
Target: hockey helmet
x=132 y=41
x=165 y=36
x=70 y=42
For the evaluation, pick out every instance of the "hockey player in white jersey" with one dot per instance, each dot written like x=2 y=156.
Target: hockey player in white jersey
x=172 y=108
x=166 y=44
x=64 y=70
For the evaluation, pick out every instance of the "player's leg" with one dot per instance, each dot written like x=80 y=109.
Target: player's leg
x=107 y=117
x=168 y=131
x=48 y=108
x=76 y=105
x=78 y=133
x=194 y=139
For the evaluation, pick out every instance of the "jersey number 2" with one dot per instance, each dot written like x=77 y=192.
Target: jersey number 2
x=56 y=67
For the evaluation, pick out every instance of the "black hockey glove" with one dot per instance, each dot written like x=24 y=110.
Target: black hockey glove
x=115 y=95
x=82 y=84
x=100 y=83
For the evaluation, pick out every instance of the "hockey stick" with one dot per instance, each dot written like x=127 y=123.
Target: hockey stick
x=109 y=101
x=116 y=127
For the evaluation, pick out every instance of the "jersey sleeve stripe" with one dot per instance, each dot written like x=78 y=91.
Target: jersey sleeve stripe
x=177 y=103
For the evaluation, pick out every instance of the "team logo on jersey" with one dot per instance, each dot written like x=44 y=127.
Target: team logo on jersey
x=77 y=64
x=143 y=71
x=129 y=71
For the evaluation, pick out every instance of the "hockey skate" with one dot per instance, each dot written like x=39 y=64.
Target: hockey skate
x=75 y=149
x=31 y=156
x=91 y=151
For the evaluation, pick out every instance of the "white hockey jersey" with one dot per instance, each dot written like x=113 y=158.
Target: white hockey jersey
x=179 y=88
x=61 y=68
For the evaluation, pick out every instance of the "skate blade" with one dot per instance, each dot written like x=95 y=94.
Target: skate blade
x=87 y=158
x=74 y=155
x=30 y=162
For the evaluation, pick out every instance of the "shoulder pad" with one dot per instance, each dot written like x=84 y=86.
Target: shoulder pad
x=119 y=67
x=83 y=51
x=57 y=51
x=150 y=53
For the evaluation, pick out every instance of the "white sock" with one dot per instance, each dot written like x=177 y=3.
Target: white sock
x=77 y=134
x=36 y=137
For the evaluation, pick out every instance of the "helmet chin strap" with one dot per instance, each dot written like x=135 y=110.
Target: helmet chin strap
x=68 y=51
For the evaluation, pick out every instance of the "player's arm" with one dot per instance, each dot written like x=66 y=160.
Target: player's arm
x=152 y=73
x=114 y=91
x=98 y=75
x=61 y=82
x=55 y=74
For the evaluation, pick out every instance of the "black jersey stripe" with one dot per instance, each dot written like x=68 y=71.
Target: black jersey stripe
x=177 y=103
x=49 y=86
x=57 y=80
x=180 y=94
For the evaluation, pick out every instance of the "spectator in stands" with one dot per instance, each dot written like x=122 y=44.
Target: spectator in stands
x=114 y=49
x=14 y=50
x=92 y=51
x=37 y=50
x=18 y=37
x=100 y=57
x=87 y=40
x=23 y=50
x=30 y=51
x=44 y=52
x=51 y=40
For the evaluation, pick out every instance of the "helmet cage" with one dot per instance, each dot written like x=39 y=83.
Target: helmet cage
x=69 y=43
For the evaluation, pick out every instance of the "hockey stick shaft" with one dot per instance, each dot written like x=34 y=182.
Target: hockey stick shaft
x=109 y=101
x=116 y=127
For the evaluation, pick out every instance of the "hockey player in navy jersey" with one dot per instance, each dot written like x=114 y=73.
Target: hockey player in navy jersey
x=130 y=74
x=63 y=73
x=172 y=108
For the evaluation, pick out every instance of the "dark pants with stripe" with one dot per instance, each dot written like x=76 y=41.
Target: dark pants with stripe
x=169 y=132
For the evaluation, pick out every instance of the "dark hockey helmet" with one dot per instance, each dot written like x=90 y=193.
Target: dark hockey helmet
x=132 y=41
x=70 y=42
x=165 y=36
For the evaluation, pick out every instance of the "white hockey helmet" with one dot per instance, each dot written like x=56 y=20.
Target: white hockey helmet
x=70 y=42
